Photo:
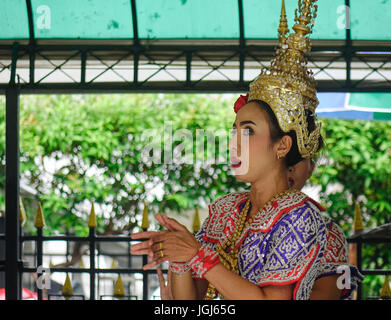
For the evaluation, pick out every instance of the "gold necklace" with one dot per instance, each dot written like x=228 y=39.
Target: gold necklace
x=229 y=258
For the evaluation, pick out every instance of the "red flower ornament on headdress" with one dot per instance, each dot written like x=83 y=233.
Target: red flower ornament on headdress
x=240 y=102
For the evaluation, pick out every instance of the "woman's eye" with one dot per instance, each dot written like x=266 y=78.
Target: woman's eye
x=248 y=131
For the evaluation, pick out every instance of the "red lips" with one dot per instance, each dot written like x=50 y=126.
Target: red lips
x=235 y=162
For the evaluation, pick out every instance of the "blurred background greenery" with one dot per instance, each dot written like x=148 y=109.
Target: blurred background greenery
x=76 y=149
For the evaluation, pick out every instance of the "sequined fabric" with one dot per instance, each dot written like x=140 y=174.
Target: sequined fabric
x=286 y=243
x=336 y=255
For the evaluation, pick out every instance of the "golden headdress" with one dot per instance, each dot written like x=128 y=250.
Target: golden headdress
x=288 y=86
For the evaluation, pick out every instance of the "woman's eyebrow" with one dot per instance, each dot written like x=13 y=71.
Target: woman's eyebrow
x=243 y=123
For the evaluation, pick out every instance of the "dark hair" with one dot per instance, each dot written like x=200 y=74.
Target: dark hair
x=293 y=157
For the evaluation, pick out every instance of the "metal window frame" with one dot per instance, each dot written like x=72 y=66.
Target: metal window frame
x=92 y=239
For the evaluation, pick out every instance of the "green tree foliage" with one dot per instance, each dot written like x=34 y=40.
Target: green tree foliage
x=357 y=160
x=96 y=141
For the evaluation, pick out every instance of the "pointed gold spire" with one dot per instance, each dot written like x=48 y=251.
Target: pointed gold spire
x=67 y=290
x=119 y=287
x=92 y=219
x=305 y=16
x=283 y=28
x=39 y=221
x=357 y=223
x=386 y=290
x=114 y=264
x=22 y=212
x=81 y=263
x=145 y=221
x=196 y=221
x=51 y=265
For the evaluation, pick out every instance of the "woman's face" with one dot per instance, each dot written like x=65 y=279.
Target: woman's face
x=251 y=150
x=300 y=173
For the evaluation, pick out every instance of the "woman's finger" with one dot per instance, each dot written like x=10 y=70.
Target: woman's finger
x=145 y=245
x=146 y=234
x=141 y=252
x=175 y=225
x=165 y=221
x=157 y=246
x=161 y=219
x=159 y=250
x=160 y=277
x=161 y=238
x=154 y=263
x=159 y=254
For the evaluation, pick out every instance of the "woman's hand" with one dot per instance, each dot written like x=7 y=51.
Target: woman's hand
x=165 y=290
x=176 y=245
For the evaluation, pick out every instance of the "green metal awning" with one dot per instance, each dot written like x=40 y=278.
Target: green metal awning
x=184 y=19
x=185 y=45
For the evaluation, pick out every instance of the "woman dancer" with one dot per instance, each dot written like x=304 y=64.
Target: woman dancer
x=267 y=243
x=325 y=286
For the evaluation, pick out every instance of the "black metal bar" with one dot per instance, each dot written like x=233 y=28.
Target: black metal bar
x=136 y=43
x=145 y=279
x=92 y=241
x=32 y=41
x=129 y=256
x=204 y=86
x=30 y=21
x=12 y=223
x=348 y=45
x=145 y=276
x=15 y=49
x=76 y=238
x=363 y=240
x=39 y=244
x=359 y=267
x=96 y=270
x=189 y=56
x=32 y=66
x=320 y=46
x=376 y=272
x=136 y=58
x=134 y=20
x=83 y=67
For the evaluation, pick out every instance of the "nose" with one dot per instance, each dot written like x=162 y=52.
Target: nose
x=234 y=145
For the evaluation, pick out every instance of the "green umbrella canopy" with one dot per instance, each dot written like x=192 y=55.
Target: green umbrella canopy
x=359 y=106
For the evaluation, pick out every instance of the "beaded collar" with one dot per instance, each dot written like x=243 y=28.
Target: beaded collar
x=225 y=211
